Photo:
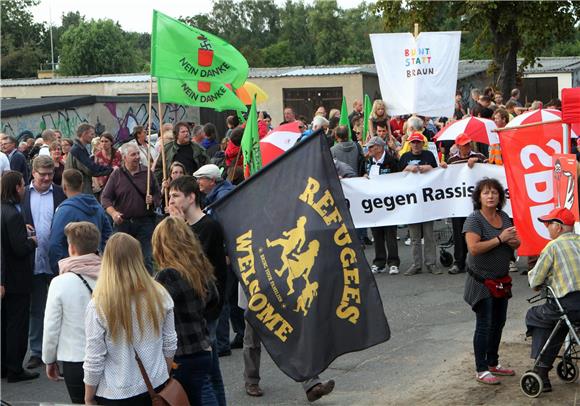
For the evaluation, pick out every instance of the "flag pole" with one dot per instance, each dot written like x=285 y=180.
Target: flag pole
x=160 y=139
x=515 y=127
x=149 y=139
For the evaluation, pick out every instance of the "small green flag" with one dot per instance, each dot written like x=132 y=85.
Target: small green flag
x=367 y=108
x=251 y=142
x=219 y=97
x=180 y=51
x=344 y=117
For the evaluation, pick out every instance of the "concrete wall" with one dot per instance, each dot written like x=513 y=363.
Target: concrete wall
x=352 y=88
x=116 y=118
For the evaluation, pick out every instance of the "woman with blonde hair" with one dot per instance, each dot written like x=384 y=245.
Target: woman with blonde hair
x=130 y=315
x=378 y=116
x=188 y=276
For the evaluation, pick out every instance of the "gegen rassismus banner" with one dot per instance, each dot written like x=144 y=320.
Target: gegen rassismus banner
x=408 y=198
x=291 y=241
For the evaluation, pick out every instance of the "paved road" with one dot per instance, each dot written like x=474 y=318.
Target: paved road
x=430 y=324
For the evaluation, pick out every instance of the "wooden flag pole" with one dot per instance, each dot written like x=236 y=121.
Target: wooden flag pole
x=416 y=32
x=160 y=139
x=149 y=140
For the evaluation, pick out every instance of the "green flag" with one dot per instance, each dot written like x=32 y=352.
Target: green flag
x=183 y=52
x=219 y=97
x=367 y=108
x=251 y=142
x=344 y=117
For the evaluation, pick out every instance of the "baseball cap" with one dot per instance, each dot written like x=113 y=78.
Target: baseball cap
x=209 y=171
x=463 y=139
x=559 y=214
x=375 y=141
x=416 y=136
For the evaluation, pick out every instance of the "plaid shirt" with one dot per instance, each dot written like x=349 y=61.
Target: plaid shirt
x=559 y=265
x=190 y=325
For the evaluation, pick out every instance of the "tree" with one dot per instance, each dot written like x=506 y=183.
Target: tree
x=22 y=49
x=96 y=47
x=508 y=29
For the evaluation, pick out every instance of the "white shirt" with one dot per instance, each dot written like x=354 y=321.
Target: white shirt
x=4 y=163
x=112 y=366
x=42 y=208
x=64 y=319
x=44 y=151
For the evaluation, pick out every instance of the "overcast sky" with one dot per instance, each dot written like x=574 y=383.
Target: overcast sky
x=133 y=15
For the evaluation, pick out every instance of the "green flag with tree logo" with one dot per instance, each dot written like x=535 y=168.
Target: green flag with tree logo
x=180 y=51
x=188 y=93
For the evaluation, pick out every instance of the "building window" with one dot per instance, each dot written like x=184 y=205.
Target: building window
x=306 y=100
x=543 y=89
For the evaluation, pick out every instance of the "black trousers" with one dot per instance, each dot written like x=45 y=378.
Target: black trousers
x=73 y=378
x=15 y=322
x=460 y=249
x=388 y=235
x=542 y=319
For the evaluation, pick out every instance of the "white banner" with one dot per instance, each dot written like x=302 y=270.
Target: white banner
x=418 y=75
x=408 y=198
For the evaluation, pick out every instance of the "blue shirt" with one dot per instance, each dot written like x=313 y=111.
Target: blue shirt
x=42 y=208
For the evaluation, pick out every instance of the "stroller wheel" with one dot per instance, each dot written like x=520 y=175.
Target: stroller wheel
x=567 y=371
x=531 y=384
x=445 y=258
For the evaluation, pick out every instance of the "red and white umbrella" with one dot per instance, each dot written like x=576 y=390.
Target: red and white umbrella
x=535 y=116
x=479 y=129
x=278 y=141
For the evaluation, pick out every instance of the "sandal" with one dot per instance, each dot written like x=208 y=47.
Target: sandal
x=487 y=378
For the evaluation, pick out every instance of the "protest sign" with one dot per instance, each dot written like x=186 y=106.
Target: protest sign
x=527 y=155
x=311 y=294
x=417 y=75
x=408 y=198
x=565 y=177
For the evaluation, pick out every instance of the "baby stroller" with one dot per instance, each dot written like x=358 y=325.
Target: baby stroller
x=567 y=368
x=444 y=239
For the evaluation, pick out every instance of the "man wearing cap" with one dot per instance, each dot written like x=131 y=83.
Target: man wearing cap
x=464 y=155
x=382 y=161
x=418 y=160
x=210 y=181
x=559 y=268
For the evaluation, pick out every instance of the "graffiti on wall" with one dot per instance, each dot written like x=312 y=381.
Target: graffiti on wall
x=117 y=118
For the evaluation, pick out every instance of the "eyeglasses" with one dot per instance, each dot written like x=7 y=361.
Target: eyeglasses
x=45 y=174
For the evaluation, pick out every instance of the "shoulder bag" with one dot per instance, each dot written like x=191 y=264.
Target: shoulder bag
x=172 y=393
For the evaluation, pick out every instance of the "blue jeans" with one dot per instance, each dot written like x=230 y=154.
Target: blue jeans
x=37 y=305
x=490 y=319
x=141 y=228
x=213 y=386
x=191 y=373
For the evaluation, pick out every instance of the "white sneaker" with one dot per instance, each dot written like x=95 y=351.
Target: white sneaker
x=408 y=241
x=393 y=270
x=375 y=269
x=513 y=267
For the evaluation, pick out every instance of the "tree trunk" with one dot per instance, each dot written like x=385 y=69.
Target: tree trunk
x=505 y=51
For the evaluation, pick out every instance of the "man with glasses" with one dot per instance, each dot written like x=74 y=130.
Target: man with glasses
x=41 y=199
x=559 y=268
x=16 y=158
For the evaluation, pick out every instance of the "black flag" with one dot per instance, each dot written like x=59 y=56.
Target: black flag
x=291 y=240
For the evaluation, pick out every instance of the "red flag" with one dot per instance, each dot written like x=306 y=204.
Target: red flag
x=278 y=141
x=527 y=155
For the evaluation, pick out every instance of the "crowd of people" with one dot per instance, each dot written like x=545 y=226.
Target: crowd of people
x=110 y=259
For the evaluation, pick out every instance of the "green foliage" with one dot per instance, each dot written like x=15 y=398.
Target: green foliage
x=22 y=49
x=97 y=47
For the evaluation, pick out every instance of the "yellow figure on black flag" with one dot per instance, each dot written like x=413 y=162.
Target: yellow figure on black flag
x=298 y=260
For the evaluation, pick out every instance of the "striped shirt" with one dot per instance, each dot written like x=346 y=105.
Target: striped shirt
x=559 y=265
